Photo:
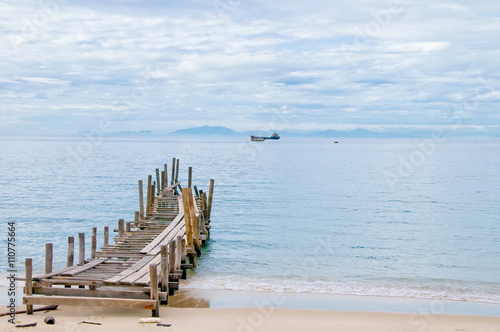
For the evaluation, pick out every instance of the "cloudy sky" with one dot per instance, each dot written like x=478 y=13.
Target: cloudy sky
x=69 y=66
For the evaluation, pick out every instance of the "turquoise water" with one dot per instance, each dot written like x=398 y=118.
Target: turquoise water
x=385 y=217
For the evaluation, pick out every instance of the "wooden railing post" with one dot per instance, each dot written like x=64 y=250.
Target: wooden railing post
x=183 y=250
x=158 y=187
x=71 y=251
x=28 y=285
x=162 y=181
x=204 y=205
x=121 y=228
x=164 y=277
x=81 y=242
x=141 y=200
x=173 y=172
x=210 y=195
x=190 y=174
x=165 y=184
x=48 y=257
x=187 y=218
x=93 y=247
x=171 y=257
x=148 y=200
x=178 y=252
x=177 y=171
x=106 y=237
x=153 y=276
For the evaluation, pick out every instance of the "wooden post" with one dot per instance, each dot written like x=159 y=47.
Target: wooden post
x=152 y=197
x=121 y=228
x=93 y=248
x=148 y=200
x=128 y=227
x=153 y=277
x=164 y=268
x=106 y=236
x=204 y=206
x=190 y=174
x=141 y=200
x=196 y=191
x=183 y=258
x=28 y=285
x=71 y=251
x=48 y=257
x=165 y=184
x=178 y=252
x=158 y=187
x=137 y=216
x=187 y=218
x=177 y=170
x=195 y=223
x=171 y=256
x=210 y=195
x=162 y=181
x=183 y=251
x=81 y=242
x=173 y=172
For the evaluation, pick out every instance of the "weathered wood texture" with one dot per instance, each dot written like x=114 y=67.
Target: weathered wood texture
x=146 y=260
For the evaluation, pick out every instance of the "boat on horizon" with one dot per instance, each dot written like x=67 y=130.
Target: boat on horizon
x=262 y=138
x=273 y=136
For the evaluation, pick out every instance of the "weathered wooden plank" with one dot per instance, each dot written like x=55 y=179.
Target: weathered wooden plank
x=55 y=281
x=180 y=228
x=134 y=268
x=163 y=234
x=130 y=279
x=92 y=301
x=55 y=273
x=83 y=267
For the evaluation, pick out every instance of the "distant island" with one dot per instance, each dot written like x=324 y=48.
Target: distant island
x=361 y=133
x=220 y=131
x=207 y=130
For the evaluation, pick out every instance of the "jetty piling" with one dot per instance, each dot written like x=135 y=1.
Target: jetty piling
x=148 y=257
x=71 y=251
x=93 y=247
x=81 y=252
x=106 y=237
x=141 y=200
x=48 y=257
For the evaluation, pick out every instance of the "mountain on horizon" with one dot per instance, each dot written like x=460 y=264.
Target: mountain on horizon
x=207 y=130
x=221 y=131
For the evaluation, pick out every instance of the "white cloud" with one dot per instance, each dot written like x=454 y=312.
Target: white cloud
x=162 y=61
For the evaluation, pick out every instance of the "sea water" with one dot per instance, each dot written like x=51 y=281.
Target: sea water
x=417 y=218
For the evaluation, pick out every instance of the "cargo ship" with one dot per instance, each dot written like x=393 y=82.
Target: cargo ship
x=262 y=138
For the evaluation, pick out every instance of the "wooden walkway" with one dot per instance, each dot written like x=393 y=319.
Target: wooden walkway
x=148 y=257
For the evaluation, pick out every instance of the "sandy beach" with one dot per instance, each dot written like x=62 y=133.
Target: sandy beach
x=250 y=319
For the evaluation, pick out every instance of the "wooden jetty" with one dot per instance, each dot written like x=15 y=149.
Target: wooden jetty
x=148 y=257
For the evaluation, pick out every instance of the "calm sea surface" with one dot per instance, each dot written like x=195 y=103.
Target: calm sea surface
x=387 y=217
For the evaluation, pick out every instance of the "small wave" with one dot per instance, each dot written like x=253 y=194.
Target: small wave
x=389 y=289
